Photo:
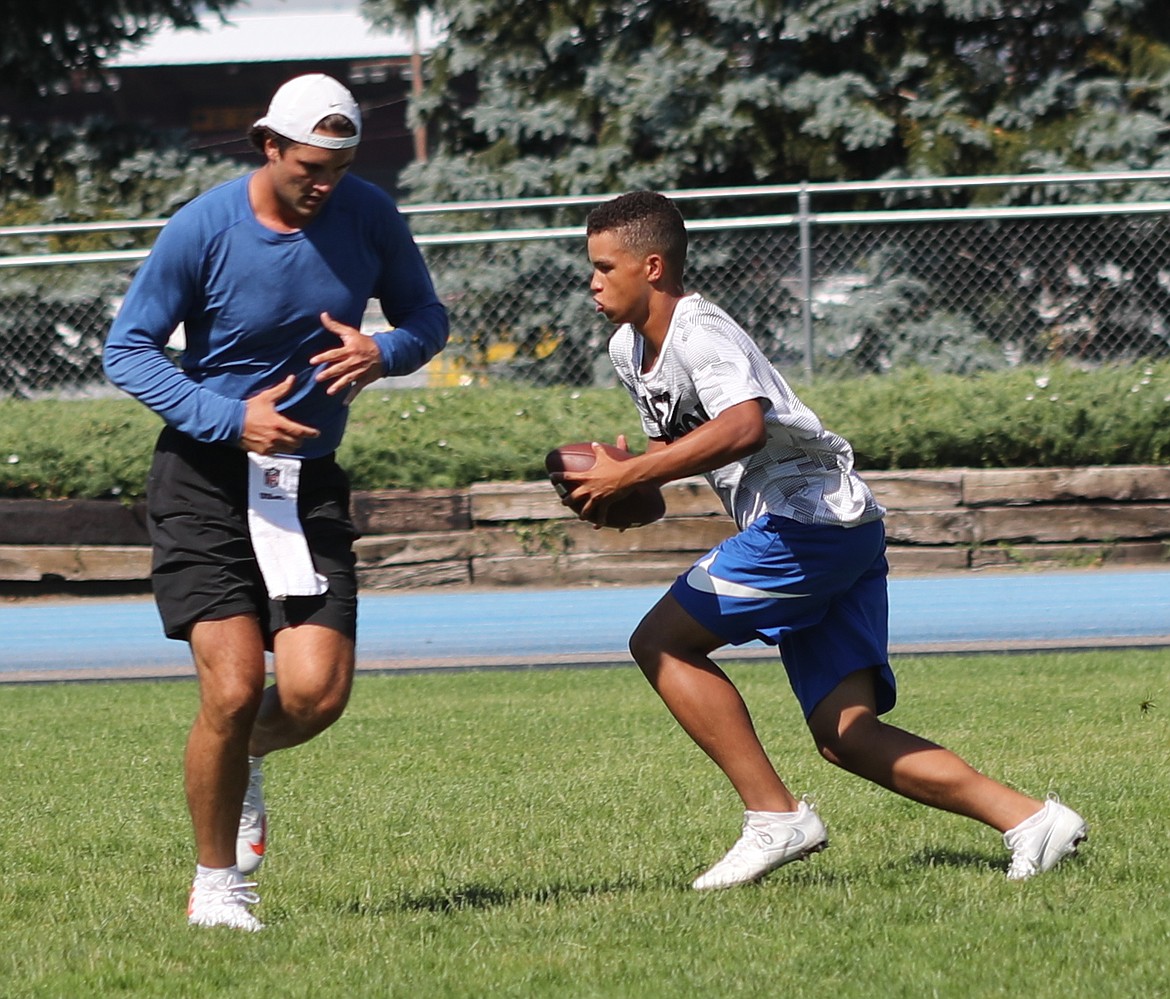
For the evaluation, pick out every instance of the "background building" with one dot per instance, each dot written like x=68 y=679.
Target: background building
x=216 y=80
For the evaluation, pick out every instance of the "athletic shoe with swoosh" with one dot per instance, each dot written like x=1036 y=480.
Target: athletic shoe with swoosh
x=221 y=899
x=253 y=832
x=1042 y=840
x=769 y=840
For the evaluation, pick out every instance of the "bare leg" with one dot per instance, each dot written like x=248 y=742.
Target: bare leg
x=849 y=734
x=229 y=661
x=672 y=650
x=314 y=675
x=237 y=717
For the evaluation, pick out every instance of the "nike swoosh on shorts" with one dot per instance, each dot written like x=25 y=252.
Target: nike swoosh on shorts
x=701 y=579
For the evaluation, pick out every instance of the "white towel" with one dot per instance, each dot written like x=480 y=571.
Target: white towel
x=278 y=539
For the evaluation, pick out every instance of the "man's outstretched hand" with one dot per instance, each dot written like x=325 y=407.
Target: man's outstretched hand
x=352 y=366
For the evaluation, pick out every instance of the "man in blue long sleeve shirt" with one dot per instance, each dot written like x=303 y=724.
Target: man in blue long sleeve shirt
x=269 y=276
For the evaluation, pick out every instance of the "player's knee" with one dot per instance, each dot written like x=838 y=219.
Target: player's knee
x=314 y=709
x=332 y=707
x=645 y=648
x=843 y=746
x=830 y=752
x=232 y=705
x=827 y=745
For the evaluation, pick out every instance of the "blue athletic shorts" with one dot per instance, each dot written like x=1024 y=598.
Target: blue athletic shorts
x=816 y=591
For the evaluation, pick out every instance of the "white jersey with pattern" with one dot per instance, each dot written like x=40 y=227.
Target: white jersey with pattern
x=709 y=364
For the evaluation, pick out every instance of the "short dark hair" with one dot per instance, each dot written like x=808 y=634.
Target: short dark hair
x=646 y=222
x=335 y=124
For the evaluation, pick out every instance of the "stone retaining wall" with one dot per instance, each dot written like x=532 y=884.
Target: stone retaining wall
x=518 y=534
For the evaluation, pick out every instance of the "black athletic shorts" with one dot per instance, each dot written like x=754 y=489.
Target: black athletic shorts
x=203 y=566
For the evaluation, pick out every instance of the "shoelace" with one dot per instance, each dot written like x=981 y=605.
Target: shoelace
x=249 y=819
x=762 y=838
x=242 y=894
x=239 y=895
x=737 y=857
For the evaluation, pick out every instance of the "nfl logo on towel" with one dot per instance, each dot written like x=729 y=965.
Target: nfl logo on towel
x=272 y=477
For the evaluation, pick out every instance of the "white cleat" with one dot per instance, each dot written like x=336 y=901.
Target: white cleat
x=1042 y=840
x=222 y=900
x=769 y=840
x=252 y=836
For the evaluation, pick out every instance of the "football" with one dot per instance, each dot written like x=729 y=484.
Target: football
x=643 y=505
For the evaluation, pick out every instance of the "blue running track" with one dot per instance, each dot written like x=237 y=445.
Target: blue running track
x=60 y=640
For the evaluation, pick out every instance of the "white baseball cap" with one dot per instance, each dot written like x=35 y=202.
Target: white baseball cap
x=300 y=104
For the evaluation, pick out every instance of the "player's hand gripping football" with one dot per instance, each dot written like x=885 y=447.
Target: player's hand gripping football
x=594 y=490
x=352 y=366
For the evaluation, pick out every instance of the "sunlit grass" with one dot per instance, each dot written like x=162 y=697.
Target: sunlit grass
x=533 y=834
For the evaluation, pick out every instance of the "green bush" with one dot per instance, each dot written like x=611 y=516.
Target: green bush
x=1019 y=418
x=450 y=438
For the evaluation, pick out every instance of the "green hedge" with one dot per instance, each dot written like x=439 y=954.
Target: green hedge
x=436 y=438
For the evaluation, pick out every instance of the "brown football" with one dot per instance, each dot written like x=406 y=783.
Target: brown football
x=643 y=505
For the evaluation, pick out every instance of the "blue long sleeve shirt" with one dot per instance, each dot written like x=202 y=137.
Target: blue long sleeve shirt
x=250 y=301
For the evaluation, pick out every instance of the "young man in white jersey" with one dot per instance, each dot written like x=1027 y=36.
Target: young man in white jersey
x=806 y=570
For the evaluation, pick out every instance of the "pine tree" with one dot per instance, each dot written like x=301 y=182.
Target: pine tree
x=574 y=96
x=45 y=42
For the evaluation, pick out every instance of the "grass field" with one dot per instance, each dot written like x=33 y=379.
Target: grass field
x=534 y=833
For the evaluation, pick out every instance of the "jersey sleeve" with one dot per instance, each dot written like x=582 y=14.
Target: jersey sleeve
x=162 y=293
x=720 y=369
x=407 y=295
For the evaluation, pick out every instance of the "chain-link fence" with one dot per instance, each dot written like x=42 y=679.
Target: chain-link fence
x=830 y=293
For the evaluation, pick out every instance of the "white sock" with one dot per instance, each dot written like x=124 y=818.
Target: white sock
x=1032 y=820
x=231 y=874
x=784 y=816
